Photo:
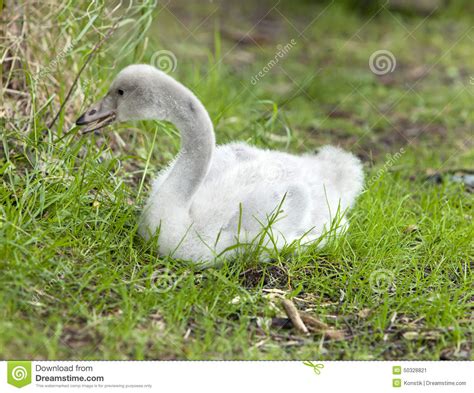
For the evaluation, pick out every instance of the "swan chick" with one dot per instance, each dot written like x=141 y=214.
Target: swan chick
x=212 y=197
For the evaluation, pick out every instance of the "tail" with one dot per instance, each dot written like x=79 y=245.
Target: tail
x=344 y=171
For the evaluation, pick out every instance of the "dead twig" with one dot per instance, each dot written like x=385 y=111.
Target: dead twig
x=313 y=323
x=294 y=316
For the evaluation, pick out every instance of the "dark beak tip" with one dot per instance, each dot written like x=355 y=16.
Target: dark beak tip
x=81 y=121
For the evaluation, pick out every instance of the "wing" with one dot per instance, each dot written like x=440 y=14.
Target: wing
x=227 y=157
x=250 y=191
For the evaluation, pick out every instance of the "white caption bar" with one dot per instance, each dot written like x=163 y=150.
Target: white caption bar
x=252 y=376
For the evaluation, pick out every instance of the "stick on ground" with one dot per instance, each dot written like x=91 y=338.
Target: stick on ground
x=295 y=317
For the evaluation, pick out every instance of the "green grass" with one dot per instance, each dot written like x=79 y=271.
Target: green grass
x=76 y=281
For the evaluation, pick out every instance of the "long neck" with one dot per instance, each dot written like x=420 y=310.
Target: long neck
x=194 y=158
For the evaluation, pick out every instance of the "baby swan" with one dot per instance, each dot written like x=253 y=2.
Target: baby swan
x=211 y=197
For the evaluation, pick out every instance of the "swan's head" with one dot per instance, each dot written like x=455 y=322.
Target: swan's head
x=139 y=92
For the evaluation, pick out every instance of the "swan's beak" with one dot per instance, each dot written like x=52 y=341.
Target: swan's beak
x=96 y=117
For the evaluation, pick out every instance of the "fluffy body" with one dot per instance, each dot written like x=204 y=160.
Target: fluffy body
x=209 y=198
x=244 y=187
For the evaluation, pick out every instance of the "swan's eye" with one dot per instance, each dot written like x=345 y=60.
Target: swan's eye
x=120 y=92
